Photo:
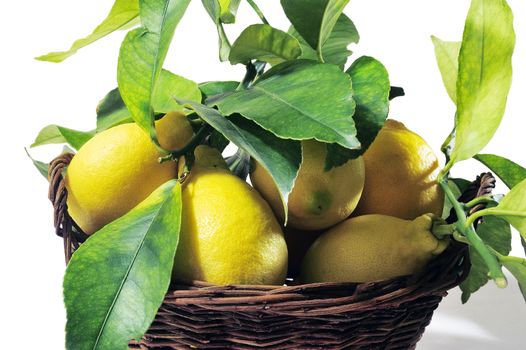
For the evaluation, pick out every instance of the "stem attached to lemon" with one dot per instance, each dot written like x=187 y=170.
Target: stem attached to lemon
x=464 y=226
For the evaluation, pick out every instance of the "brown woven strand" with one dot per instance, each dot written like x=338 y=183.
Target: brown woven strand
x=389 y=314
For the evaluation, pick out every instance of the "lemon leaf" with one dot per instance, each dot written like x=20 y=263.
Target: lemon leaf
x=496 y=233
x=281 y=158
x=211 y=88
x=509 y=172
x=446 y=53
x=141 y=57
x=228 y=10
x=215 y=9
x=55 y=134
x=314 y=19
x=117 y=279
x=264 y=43
x=123 y=15
x=517 y=267
x=371 y=88
x=292 y=99
x=335 y=49
x=484 y=76
x=112 y=111
x=513 y=207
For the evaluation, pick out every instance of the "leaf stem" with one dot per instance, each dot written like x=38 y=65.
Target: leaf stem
x=258 y=11
x=494 y=211
x=478 y=200
x=443 y=230
x=468 y=231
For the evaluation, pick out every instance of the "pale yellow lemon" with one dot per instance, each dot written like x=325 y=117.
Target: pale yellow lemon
x=229 y=234
x=371 y=248
x=319 y=199
x=118 y=168
x=401 y=173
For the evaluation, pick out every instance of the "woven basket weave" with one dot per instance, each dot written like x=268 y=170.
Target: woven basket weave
x=389 y=314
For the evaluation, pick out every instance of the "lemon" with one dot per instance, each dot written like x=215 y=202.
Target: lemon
x=370 y=248
x=118 y=168
x=319 y=198
x=401 y=173
x=229 y=234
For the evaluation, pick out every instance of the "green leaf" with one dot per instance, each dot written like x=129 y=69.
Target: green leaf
x=218 y=141
x=169 y=86
x=123 y=15
x=264 y=43
x=229 y=10
x=517 y=267
x=513 y=208
x=214 y=9
x=117 y=279
x=371 y=87
x=335 y=49
x=292 y=100
x=314 y=19
x=212 y=88
x=484 y=77
x=41 y=166
x=281 y=158
x=496 y=233
x=112 y=111
x=446 y=53
x=54 y=134
x=509 y=172
x=142 y=55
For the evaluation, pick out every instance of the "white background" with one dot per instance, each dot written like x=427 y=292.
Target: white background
x=34 y=94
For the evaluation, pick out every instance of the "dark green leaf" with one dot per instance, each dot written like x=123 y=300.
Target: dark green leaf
x=517 y=267
x=123 y=15
x=509 y=172
x=54 y=134
x=212 y=88
x=371 y=87
x=229 y=10
x=314 y=19
x=218 y=141
x=264 y=43
x=395 y=92
x=335 y=49
x=292 y=100
x=41 y=166
x=462 y=184
x=213 y=7
x=239 y=164
x=496 y=233
x=281 y=158
x=484 y=77
x=118 y=278
x=111 y=111
x=446 y=53
x=142 y=55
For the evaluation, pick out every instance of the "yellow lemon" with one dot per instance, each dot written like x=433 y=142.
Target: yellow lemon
x=118 y=168
x=319 y=198
x=370 y=248
x=229 y=234
x=401 y=173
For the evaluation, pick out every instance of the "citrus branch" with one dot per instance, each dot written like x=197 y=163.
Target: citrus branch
x=479 y=200
x=467 y=231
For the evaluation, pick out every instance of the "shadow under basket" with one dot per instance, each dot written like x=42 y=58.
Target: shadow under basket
x=390 y=314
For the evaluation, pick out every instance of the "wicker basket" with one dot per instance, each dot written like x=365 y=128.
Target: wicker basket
x=389 y=314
